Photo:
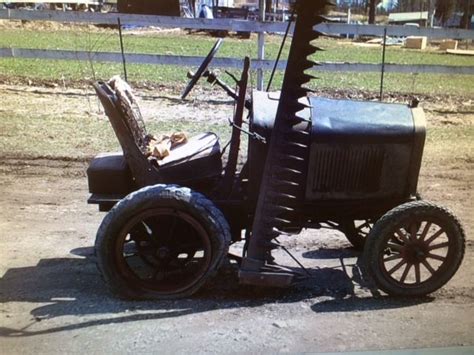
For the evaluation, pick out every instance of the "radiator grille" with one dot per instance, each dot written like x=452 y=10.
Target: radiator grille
x=340 y=169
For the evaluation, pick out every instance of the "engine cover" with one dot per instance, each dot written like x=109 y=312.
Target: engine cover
x=359 y=149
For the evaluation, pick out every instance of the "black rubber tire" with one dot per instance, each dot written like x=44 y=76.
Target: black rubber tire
x=354 y=235
x=152 y=197
x=385 y=227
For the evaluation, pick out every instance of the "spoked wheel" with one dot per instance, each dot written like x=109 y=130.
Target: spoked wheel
x=356 y=232
x=414 y=249
x=161 y=242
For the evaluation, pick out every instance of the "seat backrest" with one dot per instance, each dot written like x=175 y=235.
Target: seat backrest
x=127 y=104
x=130 y=131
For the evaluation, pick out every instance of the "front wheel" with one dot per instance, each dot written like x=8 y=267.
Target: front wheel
x=414 y=249
x=162 y=241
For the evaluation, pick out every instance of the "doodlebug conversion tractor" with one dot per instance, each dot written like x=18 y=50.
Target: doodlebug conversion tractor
x=348 y=165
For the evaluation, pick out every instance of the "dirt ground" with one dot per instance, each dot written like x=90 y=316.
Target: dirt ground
x=52 y=299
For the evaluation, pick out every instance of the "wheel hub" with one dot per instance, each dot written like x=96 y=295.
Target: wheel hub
x=163 y=253
x=415 y=252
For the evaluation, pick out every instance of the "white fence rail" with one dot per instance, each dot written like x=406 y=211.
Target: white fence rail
x=192 y=61
x=230 y=25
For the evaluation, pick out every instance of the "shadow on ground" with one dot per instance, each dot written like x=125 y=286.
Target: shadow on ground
x=72 y=286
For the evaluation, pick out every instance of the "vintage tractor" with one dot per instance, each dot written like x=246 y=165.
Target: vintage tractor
x=311 y=162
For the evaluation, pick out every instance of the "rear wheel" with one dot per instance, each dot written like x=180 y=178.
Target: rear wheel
x=162 y=241
x=356 y=232
x=414 y=249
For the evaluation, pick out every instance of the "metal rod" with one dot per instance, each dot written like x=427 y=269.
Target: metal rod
x=260 y=56
x=294 y=258
x=261 y=44
x=121 y=49
x=383 y=62
x=281 y=49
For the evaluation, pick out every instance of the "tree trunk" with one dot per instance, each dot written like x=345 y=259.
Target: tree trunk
x=371 y=11
x=467 y=14
x=268 y=6
x=372 y=5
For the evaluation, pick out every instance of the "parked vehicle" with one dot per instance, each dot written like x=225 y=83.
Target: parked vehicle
x=311 y=162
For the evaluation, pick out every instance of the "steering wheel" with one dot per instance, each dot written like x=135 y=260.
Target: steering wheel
x=202 y=68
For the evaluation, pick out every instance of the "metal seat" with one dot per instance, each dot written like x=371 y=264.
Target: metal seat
x=200 y=157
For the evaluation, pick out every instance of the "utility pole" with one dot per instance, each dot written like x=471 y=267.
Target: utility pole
x=431 y=8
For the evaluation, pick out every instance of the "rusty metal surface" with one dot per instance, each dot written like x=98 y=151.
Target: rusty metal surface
x=284 y=178
x=229 y=175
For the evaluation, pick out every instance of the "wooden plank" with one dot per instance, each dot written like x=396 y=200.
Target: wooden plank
x=193 y=61
x=230 y=24
x=460 y=52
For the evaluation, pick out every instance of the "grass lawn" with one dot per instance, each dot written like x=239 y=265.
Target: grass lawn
x=83 y=38
x=78 y=137
x=81 y=137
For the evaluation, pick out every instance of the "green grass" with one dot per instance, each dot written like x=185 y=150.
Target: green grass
x=77 y=137
x=199 y=45
x=174 y=76
x=448 y=145
x=174 y=44
x=39 y=134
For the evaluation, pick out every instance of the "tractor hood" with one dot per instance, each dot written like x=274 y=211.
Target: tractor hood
x=335 y=119
x=359 y=149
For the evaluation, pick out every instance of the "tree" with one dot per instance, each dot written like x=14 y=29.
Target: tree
x=372 y=4
x=467 y=14
x=268 y=5
x=444 y=10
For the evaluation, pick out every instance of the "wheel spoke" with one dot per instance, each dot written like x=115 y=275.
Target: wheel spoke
x=439 y=246
x=396 y=267
x=170 y=234
x=425 y=231
x=156 y=273
x=402 y=235
x=364 y=225
x=413 y=231
x=147 y=228
x=185 y=246
x=392 y=257
x=405 y=272
x=394 y=246
x=428 y=266
x=434 y=236
x=417 y=273
x=150 y=232
x=436 y=257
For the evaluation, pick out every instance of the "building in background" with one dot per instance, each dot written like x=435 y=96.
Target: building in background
x=402 y=18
